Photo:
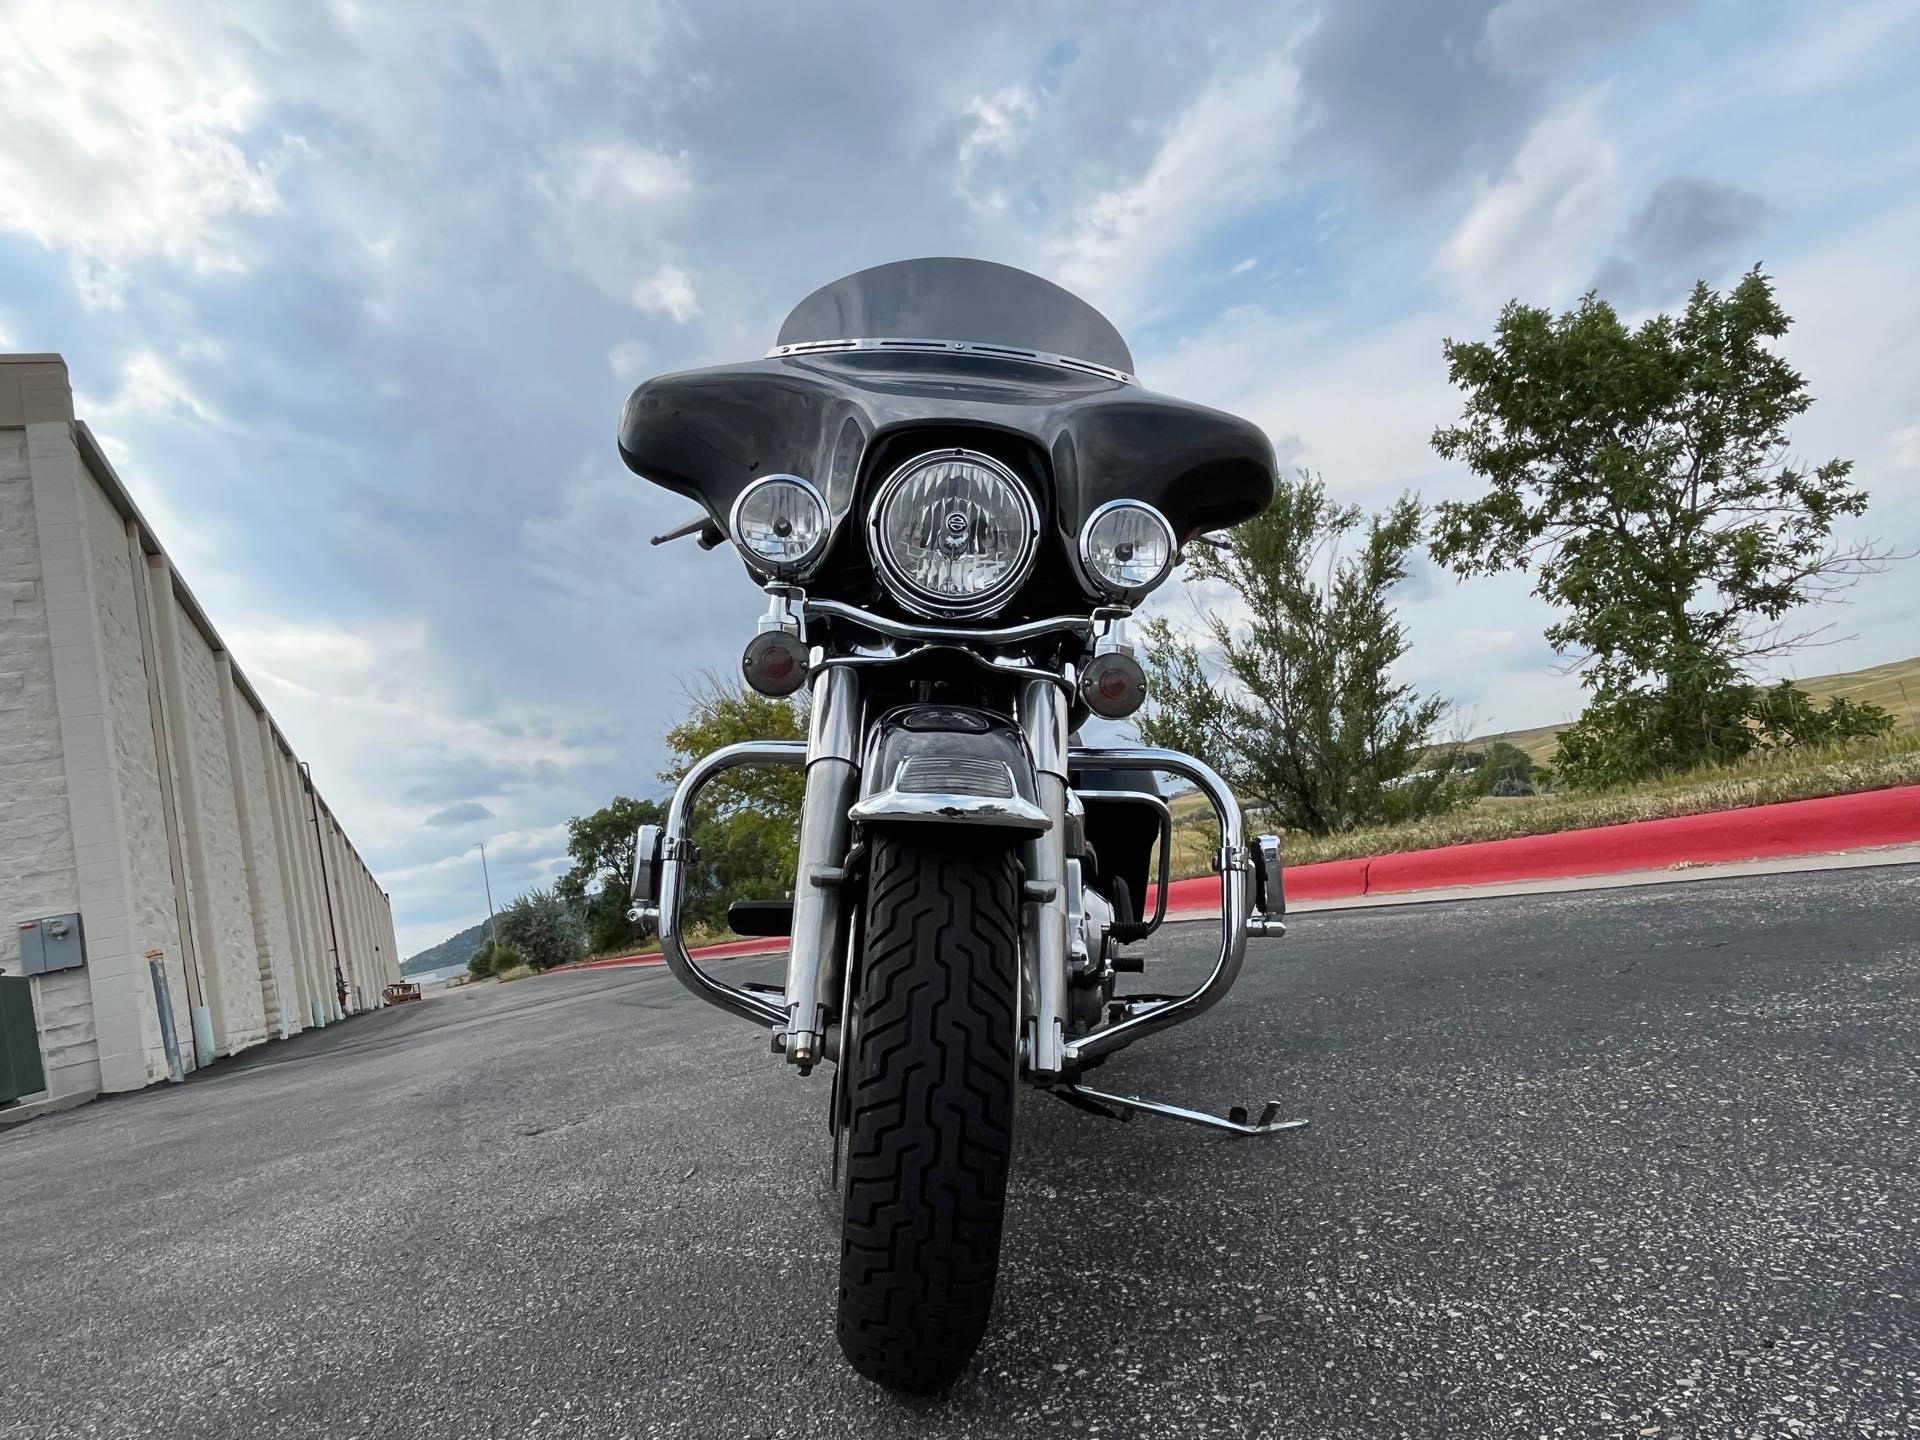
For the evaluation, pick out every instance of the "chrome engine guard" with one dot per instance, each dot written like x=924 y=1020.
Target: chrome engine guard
x=1234 y=865
x=761 y=1007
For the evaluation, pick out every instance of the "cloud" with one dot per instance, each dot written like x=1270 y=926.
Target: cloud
x=1398 y=95
x=1533 y=39
x=506 y=850
x=612 y=208
x=1903 y=450
x=1411 y=99
x=1358 y=408
x=1221 y=155
x=1533 y=231
x=994 y=128
x=372 y=708
x=1834 y=48
x=629 y=360
x=465 y=813
x=591 y=548
x=1688 y=229
x=669 y=290
x=153 y=386
x=127 y=137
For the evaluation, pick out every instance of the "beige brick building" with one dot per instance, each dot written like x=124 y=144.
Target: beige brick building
x=145 y=789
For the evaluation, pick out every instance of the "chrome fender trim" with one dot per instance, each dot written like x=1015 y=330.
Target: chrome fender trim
x=895 y=806
x=948 y=764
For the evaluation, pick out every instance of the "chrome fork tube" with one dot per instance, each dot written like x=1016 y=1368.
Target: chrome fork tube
x=1043 y=722
x=819 y=904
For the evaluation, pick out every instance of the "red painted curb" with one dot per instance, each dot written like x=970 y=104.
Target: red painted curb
x=1758 y=832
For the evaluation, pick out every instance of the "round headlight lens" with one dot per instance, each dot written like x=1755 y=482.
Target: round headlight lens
x=1127 y=548
x=781 y=522
x=954 y=532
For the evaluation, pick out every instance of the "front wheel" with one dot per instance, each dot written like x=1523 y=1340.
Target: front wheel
x=931 y=1074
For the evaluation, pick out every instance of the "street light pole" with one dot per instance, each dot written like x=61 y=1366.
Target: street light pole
x=493 y=937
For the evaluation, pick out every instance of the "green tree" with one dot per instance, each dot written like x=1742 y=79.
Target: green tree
x=1642 y=477
x=544 y=927
x=1291 y=695
x=600 y=881
x=747 y=826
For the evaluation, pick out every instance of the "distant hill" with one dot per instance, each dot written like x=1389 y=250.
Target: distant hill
x=1894 y=687
x=455 y=950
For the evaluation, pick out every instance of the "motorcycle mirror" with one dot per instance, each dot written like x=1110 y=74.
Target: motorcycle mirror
x=700 y=525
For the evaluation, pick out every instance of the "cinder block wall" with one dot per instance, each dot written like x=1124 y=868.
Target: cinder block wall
x=144 y=786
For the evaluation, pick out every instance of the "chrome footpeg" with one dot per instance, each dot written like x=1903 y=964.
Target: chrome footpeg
x=1122 y=1107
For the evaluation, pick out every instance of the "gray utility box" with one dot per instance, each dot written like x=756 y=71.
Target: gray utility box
x=54 y=942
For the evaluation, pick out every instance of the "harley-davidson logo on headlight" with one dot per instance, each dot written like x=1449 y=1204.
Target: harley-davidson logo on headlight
x=954 y=533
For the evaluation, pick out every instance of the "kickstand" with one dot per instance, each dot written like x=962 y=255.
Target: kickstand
x=1120 y=1107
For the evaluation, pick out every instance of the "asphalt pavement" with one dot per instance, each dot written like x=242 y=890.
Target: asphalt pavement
x=1614 y=1163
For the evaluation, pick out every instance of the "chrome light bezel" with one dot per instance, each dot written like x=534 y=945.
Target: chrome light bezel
x=782 y=569
x=935 y=607
x=1132 y=593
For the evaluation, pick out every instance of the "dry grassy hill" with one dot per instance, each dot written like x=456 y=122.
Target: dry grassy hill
x=1894 y=687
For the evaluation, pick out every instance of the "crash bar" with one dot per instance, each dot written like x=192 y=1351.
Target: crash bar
x=675 y=843
x=1233 y=865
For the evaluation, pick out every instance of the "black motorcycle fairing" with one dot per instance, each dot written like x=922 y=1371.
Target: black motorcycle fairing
x=707 y=433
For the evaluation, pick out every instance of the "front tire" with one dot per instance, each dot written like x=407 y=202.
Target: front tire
x=931 y=1074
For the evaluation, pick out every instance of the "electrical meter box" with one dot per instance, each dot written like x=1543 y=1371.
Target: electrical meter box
x=54 y=942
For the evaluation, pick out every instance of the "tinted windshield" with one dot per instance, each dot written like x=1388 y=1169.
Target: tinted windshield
x=950 y=299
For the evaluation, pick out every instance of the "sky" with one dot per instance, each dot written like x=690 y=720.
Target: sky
x=353 y=292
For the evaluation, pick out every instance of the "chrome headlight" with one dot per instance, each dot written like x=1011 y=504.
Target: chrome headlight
x=1126 y=548
x=781 y=522
x=954 y=533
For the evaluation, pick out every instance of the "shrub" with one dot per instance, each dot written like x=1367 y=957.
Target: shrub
x=480 y=963
x=1504 y=769
x=1785 y=716
x=544 y=929
x=505 y=958
x=1633 y=735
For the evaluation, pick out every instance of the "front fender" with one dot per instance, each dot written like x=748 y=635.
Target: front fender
x=948 y=765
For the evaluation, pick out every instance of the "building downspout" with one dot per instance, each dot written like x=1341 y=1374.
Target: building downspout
x=326 y=890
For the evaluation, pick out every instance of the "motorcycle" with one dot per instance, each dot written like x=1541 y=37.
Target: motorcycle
x=954 y=492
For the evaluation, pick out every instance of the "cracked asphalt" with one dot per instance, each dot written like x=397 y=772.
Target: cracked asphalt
x=1614 y=1163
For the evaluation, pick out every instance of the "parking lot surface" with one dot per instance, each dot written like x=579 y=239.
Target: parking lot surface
x=1633 y=1162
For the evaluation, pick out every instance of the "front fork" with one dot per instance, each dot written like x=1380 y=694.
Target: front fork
x=821 y=904
x=1042 y=713
x=820 y=898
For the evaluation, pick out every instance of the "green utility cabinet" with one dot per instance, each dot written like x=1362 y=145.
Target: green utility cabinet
x=20 y=1070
